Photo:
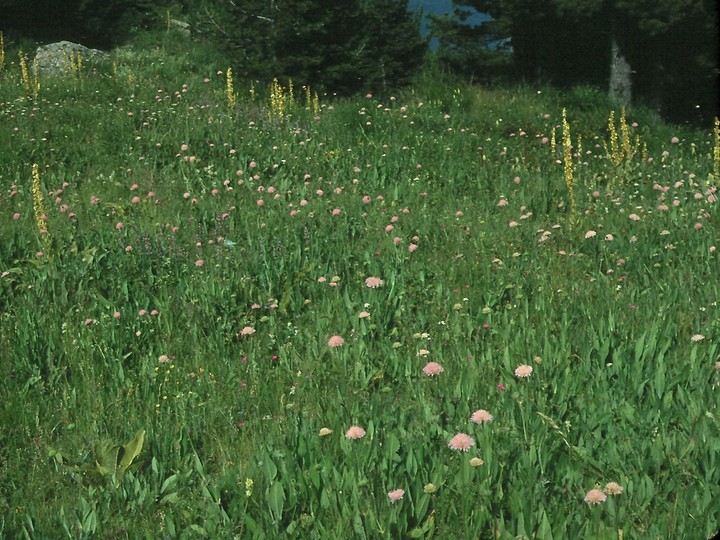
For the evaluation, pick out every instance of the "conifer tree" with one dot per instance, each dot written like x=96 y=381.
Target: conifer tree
x=650 y=48
x=341 y=46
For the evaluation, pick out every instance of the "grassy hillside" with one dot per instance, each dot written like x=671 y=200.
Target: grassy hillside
x=446 y=313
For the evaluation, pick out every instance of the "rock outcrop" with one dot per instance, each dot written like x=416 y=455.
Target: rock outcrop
x=59 y=58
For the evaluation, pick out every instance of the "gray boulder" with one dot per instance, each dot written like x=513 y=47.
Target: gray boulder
x=56 y=58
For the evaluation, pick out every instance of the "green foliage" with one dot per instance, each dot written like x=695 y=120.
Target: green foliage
x=94 y=23
x=568 y=43
x=201 y=258
x=344 y=47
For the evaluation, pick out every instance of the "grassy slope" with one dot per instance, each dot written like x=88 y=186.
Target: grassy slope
x=619 y=390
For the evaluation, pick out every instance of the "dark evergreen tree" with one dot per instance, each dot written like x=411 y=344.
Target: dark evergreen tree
x=662 y=51
x=341 y=46
x=94 y=23
x=394 y=49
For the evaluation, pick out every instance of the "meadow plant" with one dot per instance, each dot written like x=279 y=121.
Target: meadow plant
x=376 y=320
x=716 y=150
x=568 y=161
x=25 y=74
x=230 y=92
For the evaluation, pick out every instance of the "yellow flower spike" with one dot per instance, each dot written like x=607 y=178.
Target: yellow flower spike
x=24 y=73
x=567 y=158
x=230 y=92
x=716 y=149
x=2 y=50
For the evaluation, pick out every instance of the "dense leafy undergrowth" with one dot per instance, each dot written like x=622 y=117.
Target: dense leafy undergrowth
x=420 y=315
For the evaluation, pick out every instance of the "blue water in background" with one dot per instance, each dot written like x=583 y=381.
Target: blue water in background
x=439 y=7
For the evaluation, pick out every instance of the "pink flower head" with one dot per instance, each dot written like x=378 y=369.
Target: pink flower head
x=595 y=496
x=395 y=495
x=199 y=263
x=523 y=371
x=461 y=442
x=374 y=282
x=248 y=330
x=412 y=247
x=335 y=341
x=481 y=416
x=355 y=432
x=613 y=488
x=433 y=368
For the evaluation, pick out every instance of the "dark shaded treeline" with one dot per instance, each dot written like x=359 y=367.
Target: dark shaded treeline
x=669 y=48
x=663 y=53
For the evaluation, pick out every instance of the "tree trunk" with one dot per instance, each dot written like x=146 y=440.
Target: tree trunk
x=620 y=75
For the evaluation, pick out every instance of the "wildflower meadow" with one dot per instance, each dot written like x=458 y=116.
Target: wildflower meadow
x=234 y=310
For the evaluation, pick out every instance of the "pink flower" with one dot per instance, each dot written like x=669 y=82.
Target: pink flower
x=336 y=212
x=412 y=247
x=142 y=312
x=461 y=442
x=595 y=496
x=373 y=282
x=116 y=315
x=88 y=322
x=355 y=432
x=336 y=341
x=395 y=495
x=523 y=371
x=481 y=416
x=16 y=216
x=363 y=315
x=432 y=369
x=247 y=331
x=164 y=358
x=423 y=352
x=199 y=263
x=120 y=226
x=590 y=234
x=613 y=488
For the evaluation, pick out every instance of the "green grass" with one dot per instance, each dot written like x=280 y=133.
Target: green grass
x=128 y=315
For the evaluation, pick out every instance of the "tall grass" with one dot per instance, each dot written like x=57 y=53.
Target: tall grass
x=194 y=264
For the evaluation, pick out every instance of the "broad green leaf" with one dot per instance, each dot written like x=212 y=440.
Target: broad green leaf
x=270 y=469
x=130 y=451
x=169 y=483
x=276 y=499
